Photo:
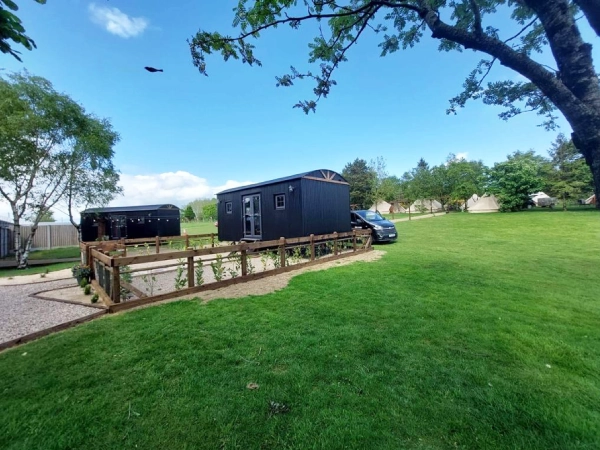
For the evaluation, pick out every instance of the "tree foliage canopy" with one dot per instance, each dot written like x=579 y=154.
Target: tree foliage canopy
x=11 y=29
x=51 y=150
x=515 y=179
x=571 y=86
x=362 y=178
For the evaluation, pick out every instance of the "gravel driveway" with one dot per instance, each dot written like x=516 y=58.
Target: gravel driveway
x=21 y=315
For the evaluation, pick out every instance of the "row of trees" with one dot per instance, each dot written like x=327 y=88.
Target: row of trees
x=563 y=174
x=52 y=152
x=200 y=209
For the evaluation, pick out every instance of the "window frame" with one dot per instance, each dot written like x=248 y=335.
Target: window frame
x=277 y=207
x=228 y=207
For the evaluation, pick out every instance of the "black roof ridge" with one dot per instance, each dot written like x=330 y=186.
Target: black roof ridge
x=110 y=209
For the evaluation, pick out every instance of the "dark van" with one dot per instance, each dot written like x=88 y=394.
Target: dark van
x=382 y=230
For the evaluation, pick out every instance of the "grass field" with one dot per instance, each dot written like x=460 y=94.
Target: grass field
x=198 y=227
x=473 y=331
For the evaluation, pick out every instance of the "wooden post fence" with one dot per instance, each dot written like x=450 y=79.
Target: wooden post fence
x=190 y=270
x=244 y=257
x=282 y=252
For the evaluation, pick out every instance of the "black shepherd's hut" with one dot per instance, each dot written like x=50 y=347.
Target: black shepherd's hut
x=130 y=222
x=316 y=202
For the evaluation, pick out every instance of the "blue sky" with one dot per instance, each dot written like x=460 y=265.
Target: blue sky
x=185 y=136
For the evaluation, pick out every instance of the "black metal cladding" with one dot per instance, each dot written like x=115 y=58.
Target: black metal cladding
x=130 y=222
x=316 y=202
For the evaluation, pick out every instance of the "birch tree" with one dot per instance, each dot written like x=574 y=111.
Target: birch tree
x=42 y=133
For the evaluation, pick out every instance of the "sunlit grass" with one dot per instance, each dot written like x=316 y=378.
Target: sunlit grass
x=473 y=331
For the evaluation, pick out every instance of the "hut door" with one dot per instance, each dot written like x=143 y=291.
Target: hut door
x=119 y=227
x=252 y=216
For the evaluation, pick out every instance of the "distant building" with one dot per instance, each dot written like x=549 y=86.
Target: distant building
x=130 y=222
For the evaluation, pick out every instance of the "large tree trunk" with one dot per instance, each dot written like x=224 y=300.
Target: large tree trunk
x=590 y=148
x=25 y=251
x=17 y=236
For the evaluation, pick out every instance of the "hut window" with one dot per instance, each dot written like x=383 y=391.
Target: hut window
x=229 y=208
x=280 y=201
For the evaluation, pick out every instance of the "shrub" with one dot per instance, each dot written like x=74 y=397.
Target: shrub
x=95 y=298
x=87 y=290
x=81 y=272
x=84 y=283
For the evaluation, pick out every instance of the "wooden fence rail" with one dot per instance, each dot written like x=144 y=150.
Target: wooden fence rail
x=109 y=264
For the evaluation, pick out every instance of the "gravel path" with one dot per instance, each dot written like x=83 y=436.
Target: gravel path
x=21 y=315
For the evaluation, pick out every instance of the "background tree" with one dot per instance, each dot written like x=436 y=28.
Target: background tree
x=571 y=86
x=568 y=177
x=92 y=179
x=48 y=216
x=361 y=179
x=512 y=181
x=188 y=213
x=379 y=167
x=11 y=29
x=422 y=182
x=468 y=178
x=442 y=185
x=198 y=204
x=41 y=133
x=391 y=189
x=209 y=211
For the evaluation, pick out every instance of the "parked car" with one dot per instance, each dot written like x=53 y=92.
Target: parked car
x=382 y=230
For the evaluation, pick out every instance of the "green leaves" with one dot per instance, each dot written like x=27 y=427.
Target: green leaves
x=515 y=179
x=11 y=29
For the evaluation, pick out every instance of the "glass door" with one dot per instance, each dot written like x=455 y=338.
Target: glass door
x=119 y=227
x=252 y=216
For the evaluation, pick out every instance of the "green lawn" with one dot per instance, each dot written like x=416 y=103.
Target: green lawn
x=198 y=227
x=473 y=332
x=56 y=253
x=36 y=269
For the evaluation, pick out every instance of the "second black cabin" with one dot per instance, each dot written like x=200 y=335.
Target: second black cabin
x=316 y=202
x=130 y=222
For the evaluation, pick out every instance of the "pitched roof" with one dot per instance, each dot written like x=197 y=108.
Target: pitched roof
x=319 y=173
x=114 y=209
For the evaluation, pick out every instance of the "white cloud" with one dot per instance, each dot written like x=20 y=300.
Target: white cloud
x=117 y=22
x=462 y=155
x=178 y=188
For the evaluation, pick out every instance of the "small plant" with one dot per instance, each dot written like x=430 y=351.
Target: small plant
x=81 y=272
x=249 y=266
x=274 y=256
x=264 y=259
x=87 y=290
x=95 y=298
x=44 y=273
x=83 y=283
x=127 y=278
x=199 y=272
x=180 y=279
x=237 y=265
x=217 y=268
x=150 y=281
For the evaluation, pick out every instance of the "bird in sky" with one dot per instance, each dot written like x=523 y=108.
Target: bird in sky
x=152 y=69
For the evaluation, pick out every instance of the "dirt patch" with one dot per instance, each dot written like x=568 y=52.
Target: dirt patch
x=273 y=283
x=73 y=294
